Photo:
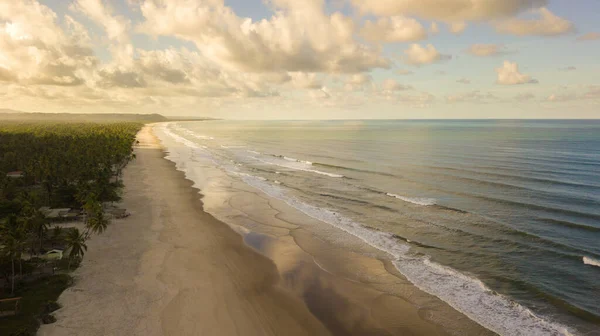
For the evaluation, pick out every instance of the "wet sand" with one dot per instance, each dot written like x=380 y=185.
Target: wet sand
x=173 y=269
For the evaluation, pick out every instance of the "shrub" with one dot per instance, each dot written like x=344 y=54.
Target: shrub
x=48 y=319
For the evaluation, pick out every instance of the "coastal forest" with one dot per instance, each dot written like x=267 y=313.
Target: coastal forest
x=52 y=173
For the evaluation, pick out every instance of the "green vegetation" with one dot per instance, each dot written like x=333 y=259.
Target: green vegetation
x=44 y=165
x=11 y=115
x=39 y=300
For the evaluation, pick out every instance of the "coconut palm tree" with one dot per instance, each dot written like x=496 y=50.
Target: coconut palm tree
x=38 y=224
x=10 y=248
x=20 y=237
x=97 y=223
x=76 y=242
x=56 y=232
x=95 y=220
x=14 y=239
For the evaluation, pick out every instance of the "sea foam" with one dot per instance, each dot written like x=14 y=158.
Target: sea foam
x=295 y=164
x=590 y=261
x=465 y=293
x=295 y=160
x=414 y=200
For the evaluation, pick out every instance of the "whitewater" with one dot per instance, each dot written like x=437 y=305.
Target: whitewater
x=461 y=290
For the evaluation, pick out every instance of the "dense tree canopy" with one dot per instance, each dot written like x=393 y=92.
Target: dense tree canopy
x=71 y=165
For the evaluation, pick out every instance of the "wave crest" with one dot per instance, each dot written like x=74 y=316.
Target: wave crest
x=591 y=262
x=415 y=200
x=463 y=292
x=295 y=164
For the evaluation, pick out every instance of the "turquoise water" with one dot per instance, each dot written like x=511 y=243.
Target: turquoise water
x=513 y=204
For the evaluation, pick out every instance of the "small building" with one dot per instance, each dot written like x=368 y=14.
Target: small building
x=53 y=255
x=58 y=213
x=14 y=174
x=73 y=214
x=66 y=214
x=119 y=213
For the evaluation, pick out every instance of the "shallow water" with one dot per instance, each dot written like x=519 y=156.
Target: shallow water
x=501 y=219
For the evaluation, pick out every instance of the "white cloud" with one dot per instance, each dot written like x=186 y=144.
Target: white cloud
x=115 y=77
x=593 y=92
x=39 y=56
x=526 y=96
x=6 y=75
x=404 y=72
x=391 y=85
x=547 y=24
x=322 y=93
x=416 y=100
x=561 y=97
x=418 y=55
x=180 y=73
x=305 y=80
x=116 y=27
x=449 y=10
x=394 y=29
x=508 y=74
x=359 y=79
x=35 y=50
x=472 y=96
x=457 y=27
x=403 y=94
x=589 y=37
x=298 y=37
x=485 y=50
x=237 y=63
x=358 y=82
x=168 y=65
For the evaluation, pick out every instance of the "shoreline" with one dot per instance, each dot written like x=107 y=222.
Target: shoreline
x=172 y=268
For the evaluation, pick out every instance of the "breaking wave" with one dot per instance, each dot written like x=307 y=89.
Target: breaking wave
x=294 y=164
x=414 y=200
x=591 y=262
x=465 y=293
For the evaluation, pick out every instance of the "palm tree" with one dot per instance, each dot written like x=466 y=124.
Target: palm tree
x=56 y=232
x=76 y=242
x=38 y=224
x=20 y=238
x=10 y=248
x=97 y=223
x=95 y=220
x=13 y=240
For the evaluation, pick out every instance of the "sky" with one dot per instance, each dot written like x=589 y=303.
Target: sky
x=303 y=59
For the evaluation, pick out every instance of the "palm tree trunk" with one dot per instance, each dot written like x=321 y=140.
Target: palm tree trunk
x=49 y=191
x=12 y=289
x=69 y=265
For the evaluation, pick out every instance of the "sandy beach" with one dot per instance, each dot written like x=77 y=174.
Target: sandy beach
x=173 y=269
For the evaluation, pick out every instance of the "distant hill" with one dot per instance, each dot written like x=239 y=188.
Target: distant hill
x=12 y=115
x=188 y=118
x=9 y=111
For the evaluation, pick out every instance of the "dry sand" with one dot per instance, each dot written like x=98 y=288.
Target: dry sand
x=173 y=269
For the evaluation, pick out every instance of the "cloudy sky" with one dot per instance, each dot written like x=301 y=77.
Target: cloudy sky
x=303 y=59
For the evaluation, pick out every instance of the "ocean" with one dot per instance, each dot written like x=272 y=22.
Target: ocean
x=498 y=218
